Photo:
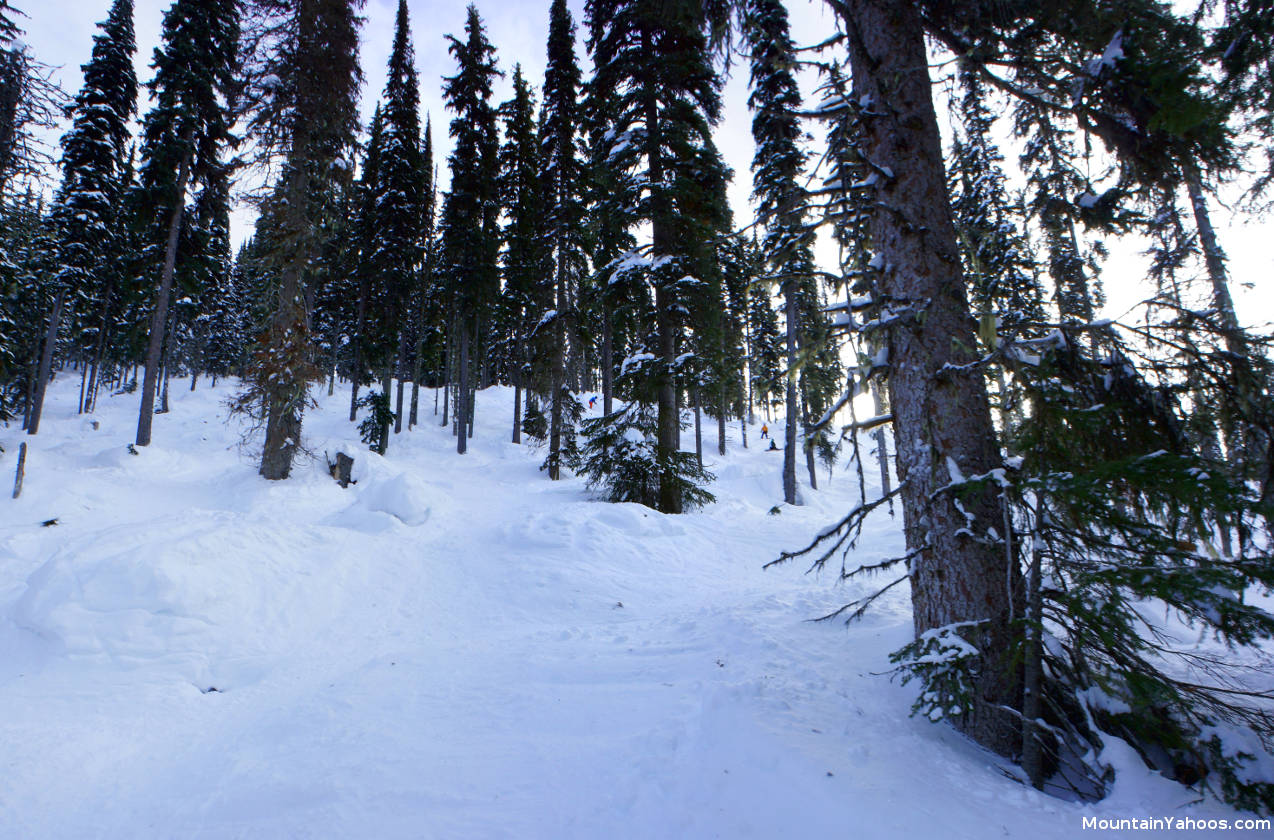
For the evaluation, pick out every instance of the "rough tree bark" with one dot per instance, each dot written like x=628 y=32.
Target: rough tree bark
x=942 y=418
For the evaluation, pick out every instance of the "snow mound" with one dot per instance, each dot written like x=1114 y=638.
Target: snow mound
x=190 y=592
x=402 y=496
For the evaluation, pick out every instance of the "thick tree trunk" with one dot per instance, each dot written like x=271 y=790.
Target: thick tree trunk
x=159 y=318
x=517 y=412
x=33 y=369
x=723 y=401
x=285 y=398
x=46 y=363
x=1214 y=259
x=290 y=363
x=942 y=418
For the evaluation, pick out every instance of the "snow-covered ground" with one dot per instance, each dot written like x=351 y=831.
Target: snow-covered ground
x=454 y=647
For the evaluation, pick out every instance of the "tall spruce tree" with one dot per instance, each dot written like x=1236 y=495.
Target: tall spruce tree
x=304 y=95
x=652 y=58
x=611 y=202
x=427 y=307
x=393 y=253
x=563 y=214
x=781 y=201
x=184 y=139
x=525 y=267
x=93 y=160
x=469 y=229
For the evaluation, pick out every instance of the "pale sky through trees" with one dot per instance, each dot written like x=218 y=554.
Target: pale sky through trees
x=60 y=34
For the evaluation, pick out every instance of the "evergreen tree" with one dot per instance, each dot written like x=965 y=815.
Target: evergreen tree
x=1029 y=577
x=613 y=293
x=564 y=214
x=469 y=229
x=184 y=137
x=304 y=96
x=525 y=257
x=225 y=349
x=942 y=422
x=1241 y=47
x=765 y=359
x=393 y=252
x=997 y=263
x=652 y=58
x=364 y=233
x=26 y=270
x=93 y=161
x=427 y=307
x=788 y=242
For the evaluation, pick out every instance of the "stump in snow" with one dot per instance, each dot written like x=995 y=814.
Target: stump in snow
x=341 y=468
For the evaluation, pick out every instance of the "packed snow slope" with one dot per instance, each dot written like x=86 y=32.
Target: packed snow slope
x=454 y=647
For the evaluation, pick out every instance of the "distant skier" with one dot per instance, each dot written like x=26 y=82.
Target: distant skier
x=592 y=401
x=765 y=431
x=774 y=447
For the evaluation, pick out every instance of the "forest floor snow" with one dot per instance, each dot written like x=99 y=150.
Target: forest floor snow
x=456 y=647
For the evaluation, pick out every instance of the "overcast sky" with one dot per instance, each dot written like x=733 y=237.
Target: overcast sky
x=60 y=33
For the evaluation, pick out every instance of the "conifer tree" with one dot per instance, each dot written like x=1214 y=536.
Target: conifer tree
x=364 y=234
x=93 y=160
x=776 y=166
x=27 y=249
x=997 y=265
x=469 y=229
x=1029 y=577
x=427 y=307
x=393 y=253
x=184 y=138
x=563 y=204
x=525 y=257
x=304 y=97
x=653 y=59
x=611 y=202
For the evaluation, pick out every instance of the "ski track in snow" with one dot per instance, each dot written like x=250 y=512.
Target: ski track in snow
x=454 y=647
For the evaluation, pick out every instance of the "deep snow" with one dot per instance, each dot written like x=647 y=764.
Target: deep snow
x=455 y=647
